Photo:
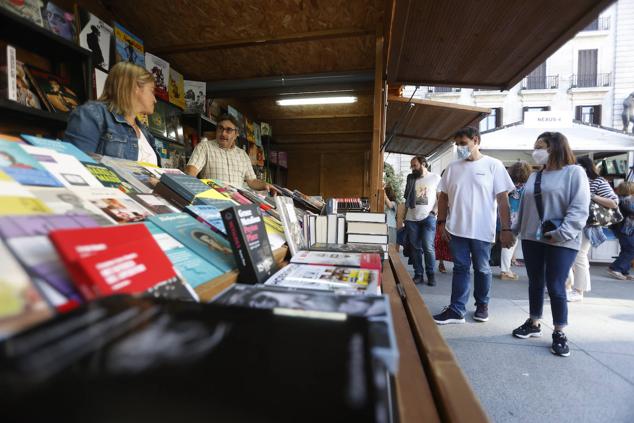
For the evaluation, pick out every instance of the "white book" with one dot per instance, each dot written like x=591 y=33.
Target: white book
x=327 y=278
x=11 y=74
x=195 y=95
x=367 y=239
x=341 y=230
x=313 y=229
x=367 y=228
x=366 y=217
x=321 y=229
x=66 y=168
x=332 y=229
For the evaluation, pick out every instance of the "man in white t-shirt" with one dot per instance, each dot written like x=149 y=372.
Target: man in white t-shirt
x=420 y=220
x=470 y=190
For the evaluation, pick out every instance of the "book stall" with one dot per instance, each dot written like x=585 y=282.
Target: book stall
x=147 y=294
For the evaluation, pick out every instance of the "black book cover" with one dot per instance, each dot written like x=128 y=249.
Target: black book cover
x=140 y=359
x=247 y=235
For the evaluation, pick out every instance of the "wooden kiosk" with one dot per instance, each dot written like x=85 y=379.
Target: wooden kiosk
x=253 y=53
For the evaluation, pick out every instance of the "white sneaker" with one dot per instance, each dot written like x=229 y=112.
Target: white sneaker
x=617 y=275
x=575 y=296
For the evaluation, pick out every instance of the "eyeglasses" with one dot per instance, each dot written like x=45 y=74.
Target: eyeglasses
x=221 y=129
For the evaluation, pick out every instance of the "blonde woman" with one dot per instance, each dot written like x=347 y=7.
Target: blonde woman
x=109 y=125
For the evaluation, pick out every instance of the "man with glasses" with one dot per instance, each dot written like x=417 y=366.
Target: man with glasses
x=220 y=158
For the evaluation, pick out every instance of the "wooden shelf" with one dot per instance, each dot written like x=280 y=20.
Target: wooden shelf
x=20 y=32
x=11 y=110
x=200 y=122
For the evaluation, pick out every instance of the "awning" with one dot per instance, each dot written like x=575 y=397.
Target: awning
x=516 y=141
x=422 y=127
x=485 y=43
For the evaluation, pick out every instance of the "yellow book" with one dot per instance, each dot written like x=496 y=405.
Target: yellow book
x=17 y=200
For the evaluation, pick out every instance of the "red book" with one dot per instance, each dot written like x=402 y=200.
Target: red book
x=115 y=259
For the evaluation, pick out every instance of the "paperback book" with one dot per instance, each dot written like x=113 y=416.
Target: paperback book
x=67 y=169
x=62 y=201
x=115 y=204
x=160 y=69
x=17 y=200
x=249 y=241
x=154 y=203
x=327 y=278
x=210 y=216
x=55 y=91
x=107 y=177
x=95 y=35
x=195 y=94
x=23 y=168
x=191 y=267
x=176 y=88
x=184 y=185
x=348 y=248
x=134 y=173
x=197 y=237
x=59 y=146
x=331 y=258
x=128 y=47
x=59 y=21
x=28 y=9
x=292 y=227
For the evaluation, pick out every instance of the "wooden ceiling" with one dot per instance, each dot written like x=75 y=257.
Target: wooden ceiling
x=484 y=43
x=419 y=127
x=212 y=40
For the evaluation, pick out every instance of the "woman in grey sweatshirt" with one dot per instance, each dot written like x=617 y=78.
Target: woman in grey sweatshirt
x=549 y=253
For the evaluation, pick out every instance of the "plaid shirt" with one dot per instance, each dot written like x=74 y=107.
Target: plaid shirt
x=232 y=166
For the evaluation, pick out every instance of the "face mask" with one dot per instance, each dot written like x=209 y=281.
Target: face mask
x=463 y=151
x=540 y=156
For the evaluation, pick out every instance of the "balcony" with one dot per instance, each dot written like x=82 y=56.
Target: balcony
x=591 y=80
x=539 y=82
x=599 y=24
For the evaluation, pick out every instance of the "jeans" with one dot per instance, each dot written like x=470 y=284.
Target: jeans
x=421 y=237
x=548 y=265
x=464 y=250
x=623 y=261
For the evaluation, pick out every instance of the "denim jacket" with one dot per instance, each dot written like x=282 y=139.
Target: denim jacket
x=94 y=129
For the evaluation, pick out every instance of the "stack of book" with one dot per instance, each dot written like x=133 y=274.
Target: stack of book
x=367 y=228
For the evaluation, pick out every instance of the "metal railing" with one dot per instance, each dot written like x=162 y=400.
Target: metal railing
x=599 y=24
x=538 y=82
x=591 y=80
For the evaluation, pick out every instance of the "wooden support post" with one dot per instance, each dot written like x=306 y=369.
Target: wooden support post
x=378 y=133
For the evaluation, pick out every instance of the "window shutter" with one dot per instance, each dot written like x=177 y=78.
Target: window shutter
x=498 y=117
x=578 y=113
x=596 y=115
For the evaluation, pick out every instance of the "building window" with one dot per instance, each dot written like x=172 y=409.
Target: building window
x=492 y=121
x=534 y=109
x=588 y=114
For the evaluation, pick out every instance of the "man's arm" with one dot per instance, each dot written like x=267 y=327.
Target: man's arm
x=192 y=170
x=506 y=236
x=443 y=208
x=259 y=185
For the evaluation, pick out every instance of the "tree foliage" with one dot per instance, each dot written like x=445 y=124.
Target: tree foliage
x=394 y=180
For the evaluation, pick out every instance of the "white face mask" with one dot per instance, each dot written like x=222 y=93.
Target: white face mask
x=463 y=152
x=540 y=156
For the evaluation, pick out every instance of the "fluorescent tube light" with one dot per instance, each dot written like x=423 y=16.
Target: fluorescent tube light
x=316 y=100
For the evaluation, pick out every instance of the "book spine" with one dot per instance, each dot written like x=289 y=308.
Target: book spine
x=12 y=87
x=238 y=245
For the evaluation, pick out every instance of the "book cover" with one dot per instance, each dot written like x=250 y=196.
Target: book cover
x=114 y=203
x=115 y=259
x=327 y=278
x=21 y=304
x=59 y=146
x=167 y=193
x=157 y=119
x=134 y=173
x=28 y=93
x=193 y=268
x=291 y=226
x=20 y=166
x=197 y=237
x=367 y=239
x=369 y=228
x=128 y=47
x=17 y=200
x=55 y=90
x=8 y=80
x=210 y=216
x=348 y=248
x=65 y=168
x=95 y=35
x=62 y=201
x=99 y=82
x=29 y=9
x=195 y=95
x=176 y=88
x=160 y=69
x=366 y=217
x=59 y=21
x=154 y=203
x=105 y=175
x=185 y=185
x=331 y=258
x=249 y=241
x=27 y=238
x=173 y=125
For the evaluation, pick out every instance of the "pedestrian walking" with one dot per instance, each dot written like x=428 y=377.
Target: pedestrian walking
x=624 y=231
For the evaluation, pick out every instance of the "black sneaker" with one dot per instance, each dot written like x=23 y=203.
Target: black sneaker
x=448 y=316
x=560 y=344
x=527 y=330
x=418 y=280
x=482 y=313
x=431 y=280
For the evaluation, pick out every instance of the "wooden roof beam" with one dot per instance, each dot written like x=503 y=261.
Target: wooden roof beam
x=249 y=42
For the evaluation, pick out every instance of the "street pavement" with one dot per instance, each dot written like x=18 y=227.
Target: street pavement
x=519 y=380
